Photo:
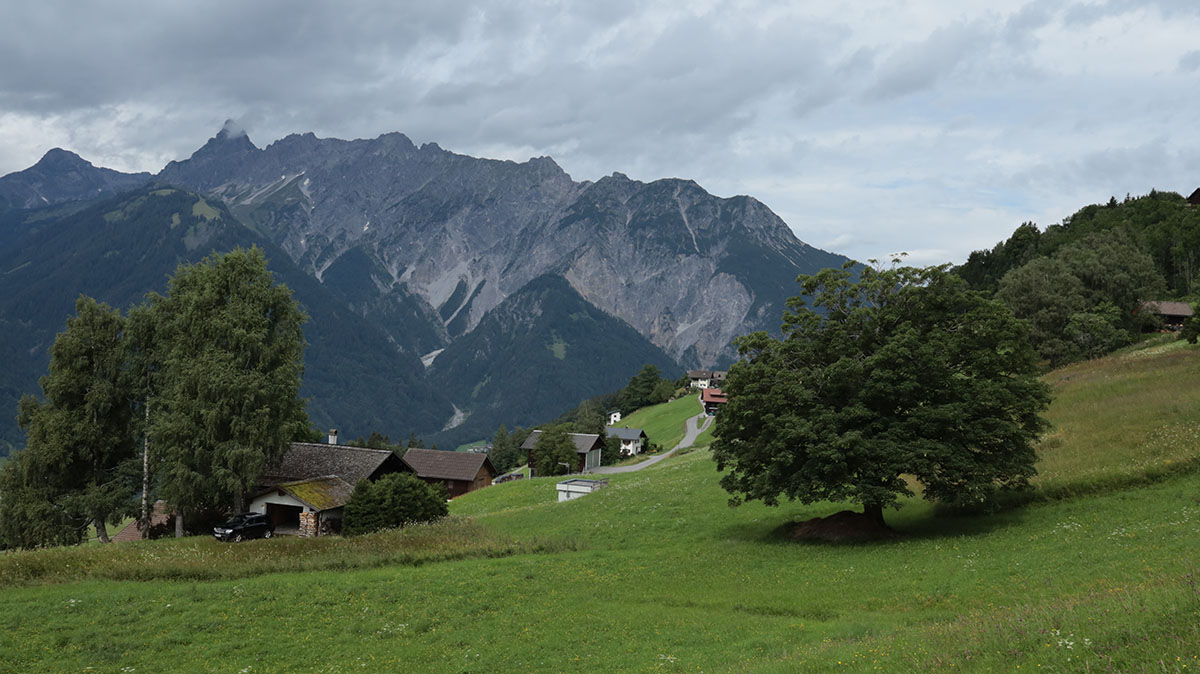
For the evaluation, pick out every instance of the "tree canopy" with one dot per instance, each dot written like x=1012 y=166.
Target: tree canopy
x=227 y=401
x=552 y=450
x=904 y=371
x=78 y=467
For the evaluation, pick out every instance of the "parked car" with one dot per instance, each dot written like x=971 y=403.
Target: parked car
x=241 y=527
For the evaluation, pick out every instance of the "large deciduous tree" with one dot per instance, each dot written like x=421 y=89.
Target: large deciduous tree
x=554 y=452
x=78 y=465
x=904 y=371
x=226 y=397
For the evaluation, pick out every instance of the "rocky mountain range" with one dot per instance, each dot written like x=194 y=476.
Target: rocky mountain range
x=441 y=253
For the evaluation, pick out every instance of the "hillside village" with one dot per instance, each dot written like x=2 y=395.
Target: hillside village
x=305 y=494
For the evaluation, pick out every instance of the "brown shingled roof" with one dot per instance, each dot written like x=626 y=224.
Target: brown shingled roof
x=308 y=460
x=158 y=517
x=445 y=465
x=1169 y=308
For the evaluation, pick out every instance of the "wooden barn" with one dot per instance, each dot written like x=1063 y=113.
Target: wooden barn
x=1173 y=314
x=588 y=447
x=459 y=472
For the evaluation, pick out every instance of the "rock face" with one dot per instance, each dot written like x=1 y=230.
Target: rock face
x=449 y=294
x=688 y=270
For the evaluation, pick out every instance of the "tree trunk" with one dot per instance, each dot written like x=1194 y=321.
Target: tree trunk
x=178 y=525
x=144 y=521
x=239 y=503
x=875 y=512
x=102 y=531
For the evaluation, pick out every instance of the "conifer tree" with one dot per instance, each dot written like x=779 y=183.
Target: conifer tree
x=78 y=466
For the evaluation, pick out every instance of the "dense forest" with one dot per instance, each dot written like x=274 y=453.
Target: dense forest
x=1080 y=283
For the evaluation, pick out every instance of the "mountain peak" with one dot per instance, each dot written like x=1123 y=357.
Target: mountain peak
x=59 y=159
x=232 y=138
x=231 y=129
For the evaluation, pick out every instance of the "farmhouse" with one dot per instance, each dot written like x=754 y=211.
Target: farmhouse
x=310 y=507
x=633 y=440
x=699 y=378
x=458 y=472
x=302 y=491
x=712 y=399
x=1173 y=314
x=588 y=447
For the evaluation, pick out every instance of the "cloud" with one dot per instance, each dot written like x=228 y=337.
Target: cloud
x=920 y=65
x=871 y=128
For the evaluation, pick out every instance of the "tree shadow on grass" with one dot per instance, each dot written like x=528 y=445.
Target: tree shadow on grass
x=916 y=521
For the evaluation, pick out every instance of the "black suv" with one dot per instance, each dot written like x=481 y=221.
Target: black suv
x=241 y=527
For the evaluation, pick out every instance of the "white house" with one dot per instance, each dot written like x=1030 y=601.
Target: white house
x=633 y=440
x=614 y=417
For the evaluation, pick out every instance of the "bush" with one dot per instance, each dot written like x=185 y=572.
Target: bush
x=392 y=501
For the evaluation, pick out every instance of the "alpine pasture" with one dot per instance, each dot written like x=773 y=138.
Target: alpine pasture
x=1097 y=572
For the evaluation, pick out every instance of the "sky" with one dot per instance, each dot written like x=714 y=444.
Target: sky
x=872 y=128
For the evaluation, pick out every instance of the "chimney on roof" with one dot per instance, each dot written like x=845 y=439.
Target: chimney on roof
x=333 y=436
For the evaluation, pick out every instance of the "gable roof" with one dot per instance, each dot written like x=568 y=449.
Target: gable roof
x=699 y=374
x=584 y=442
x=158 y=517
x=321 y=493
x=308 y=460
x=625 y=433
x=713 y=395
x=446 y=465
x=1169 y=308
x=1195 y=198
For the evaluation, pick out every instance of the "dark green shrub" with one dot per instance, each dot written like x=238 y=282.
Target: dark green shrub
x=392 y=501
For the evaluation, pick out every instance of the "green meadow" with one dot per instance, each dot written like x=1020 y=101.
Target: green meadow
x=663 y=423
x=656 y=573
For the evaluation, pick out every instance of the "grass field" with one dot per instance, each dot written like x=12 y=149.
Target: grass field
x=656 y=573
x=663 y=423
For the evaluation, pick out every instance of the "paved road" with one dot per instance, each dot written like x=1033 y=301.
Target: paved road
x=694 y=426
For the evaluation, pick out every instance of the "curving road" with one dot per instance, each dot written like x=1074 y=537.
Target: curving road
x=693 y=427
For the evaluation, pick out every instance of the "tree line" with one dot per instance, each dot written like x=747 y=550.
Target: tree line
x=1079 y=284
x=187 y=397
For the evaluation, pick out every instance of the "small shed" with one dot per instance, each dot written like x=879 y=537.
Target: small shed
x=459 y=472
x=588 y=446
x=633 y=440
x=574 y=488
x=310 y=507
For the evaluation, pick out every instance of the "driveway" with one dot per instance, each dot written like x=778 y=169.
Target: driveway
x=693 y=427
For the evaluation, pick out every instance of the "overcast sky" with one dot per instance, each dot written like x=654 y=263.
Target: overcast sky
x=909 y=125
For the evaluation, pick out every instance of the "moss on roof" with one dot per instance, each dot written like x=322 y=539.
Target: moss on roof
x=322 y=493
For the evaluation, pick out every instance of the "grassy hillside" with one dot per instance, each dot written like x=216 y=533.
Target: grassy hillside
x=657 y=573
x=663 y=423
